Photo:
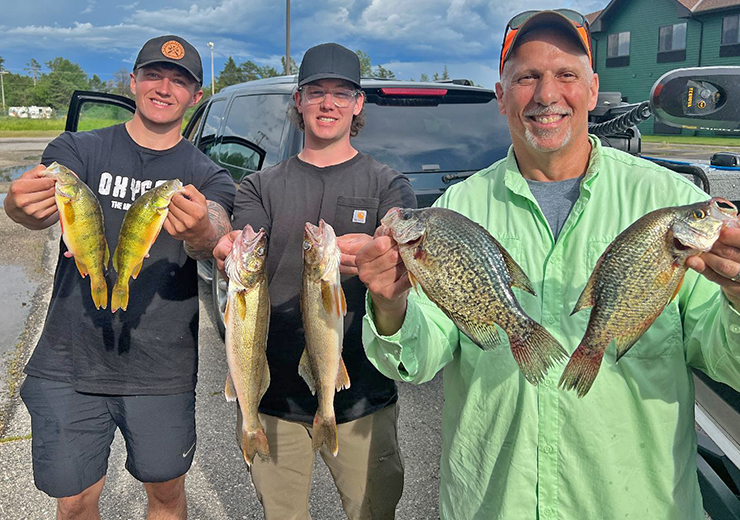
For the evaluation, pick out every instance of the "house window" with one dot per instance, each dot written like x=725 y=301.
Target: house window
x=618 y=50
x=731 y=29
x=730 y=36
x=672 y=43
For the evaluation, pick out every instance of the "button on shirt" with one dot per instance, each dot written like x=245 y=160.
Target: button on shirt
x=512 y=450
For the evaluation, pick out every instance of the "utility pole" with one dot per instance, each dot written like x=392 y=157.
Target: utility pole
x=213 y=81
x=287 y=37
x=2 y=89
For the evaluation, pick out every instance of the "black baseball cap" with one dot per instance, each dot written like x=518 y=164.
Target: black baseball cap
x=329 y=60
x=171 y=49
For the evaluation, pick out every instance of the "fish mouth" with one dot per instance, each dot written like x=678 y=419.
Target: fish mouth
x=250 y=238
x=722 y=209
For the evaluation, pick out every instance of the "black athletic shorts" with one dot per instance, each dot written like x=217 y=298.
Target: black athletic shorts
x=73 y=432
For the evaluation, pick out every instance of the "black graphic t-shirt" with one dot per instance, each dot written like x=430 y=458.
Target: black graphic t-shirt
x=151 y=348
x=352 y=196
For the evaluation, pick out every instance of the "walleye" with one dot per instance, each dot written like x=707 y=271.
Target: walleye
x=83 y=230
x=470 y=276
x=638 y=274
x=323 y=308
x=141 y=226
x=247 y=319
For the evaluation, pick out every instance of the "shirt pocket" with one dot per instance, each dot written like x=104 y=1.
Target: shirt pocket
x=356 y=215
x=662 y=338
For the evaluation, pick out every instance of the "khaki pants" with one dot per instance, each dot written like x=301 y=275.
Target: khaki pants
x=368 y=470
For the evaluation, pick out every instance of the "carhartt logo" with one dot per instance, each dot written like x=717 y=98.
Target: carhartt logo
x=359 y=216
x=188 y=452
x=173 y=50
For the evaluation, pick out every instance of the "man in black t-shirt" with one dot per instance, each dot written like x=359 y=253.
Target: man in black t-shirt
x=328 y=180
x=92 y=371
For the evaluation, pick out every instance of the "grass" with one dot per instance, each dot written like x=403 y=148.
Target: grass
x=16 y=127
x=687 y=139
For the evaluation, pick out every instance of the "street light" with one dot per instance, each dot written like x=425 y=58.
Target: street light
x=213 y=81
x=2 y=88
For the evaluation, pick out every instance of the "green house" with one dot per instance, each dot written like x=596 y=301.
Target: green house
x=636 y=41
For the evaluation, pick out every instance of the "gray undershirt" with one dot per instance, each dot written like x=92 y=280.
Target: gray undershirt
x=556 y=199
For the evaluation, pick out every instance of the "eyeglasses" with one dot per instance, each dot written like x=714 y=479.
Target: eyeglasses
x=342 y=97
x=512 y=28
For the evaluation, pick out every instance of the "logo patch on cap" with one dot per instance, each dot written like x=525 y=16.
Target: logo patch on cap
x=359 y=216
x=173 y=49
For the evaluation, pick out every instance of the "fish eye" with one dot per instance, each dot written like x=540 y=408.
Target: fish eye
x=699 y=214
x=260 y=251
x=306 y=245
x=406 y=215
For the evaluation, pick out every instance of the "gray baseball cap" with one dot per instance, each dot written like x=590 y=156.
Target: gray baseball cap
x=329 y=61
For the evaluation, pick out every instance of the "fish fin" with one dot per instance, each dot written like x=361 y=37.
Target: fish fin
x=229 y=390
x=304 y=370
x=115 y=259
x=325 y=432
x=119 y=298
x=99 y=291
x=535 y=351
x=255 y=443
x=342 y=301
x=582 y=368
x=82 y=268
x=586 y=299
x=137 y=269
x=106 y=255
x=342 y=376
x=678 y=288
x=265 y=381
x=414 y=283
x=485 y=335
x=628 y=338
x=517 y=276
x=241 y=304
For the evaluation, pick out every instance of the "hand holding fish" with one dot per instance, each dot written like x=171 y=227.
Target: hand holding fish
x=382 y=270
x=223 y=250
x=721 y=264
x=349 y=245
x=187 y=219
x=30 y=200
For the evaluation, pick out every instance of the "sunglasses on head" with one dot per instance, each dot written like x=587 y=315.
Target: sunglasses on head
x=512 y=28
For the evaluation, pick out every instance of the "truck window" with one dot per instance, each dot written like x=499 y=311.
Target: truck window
x=254 y=127
x=211 y=126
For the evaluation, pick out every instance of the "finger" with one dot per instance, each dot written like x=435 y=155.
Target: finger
x=36 y=172
x=192 y=193
x=723 y=267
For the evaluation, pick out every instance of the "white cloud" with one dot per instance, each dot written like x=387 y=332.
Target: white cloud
x=90 y=7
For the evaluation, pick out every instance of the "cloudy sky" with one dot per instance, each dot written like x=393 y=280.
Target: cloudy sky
x=409 y=37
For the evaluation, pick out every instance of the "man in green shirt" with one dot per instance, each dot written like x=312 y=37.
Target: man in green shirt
x=512 y=450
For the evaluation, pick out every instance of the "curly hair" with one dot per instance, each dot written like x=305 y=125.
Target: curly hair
x=296 y=118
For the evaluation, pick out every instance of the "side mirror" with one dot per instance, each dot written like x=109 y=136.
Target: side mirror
x=698 y=98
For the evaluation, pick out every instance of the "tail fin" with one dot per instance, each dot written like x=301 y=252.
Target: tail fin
x=325 y=432
x=119 y=298
x=581 y=370
x=536 y=351
x=99 y=291
x=255 y=443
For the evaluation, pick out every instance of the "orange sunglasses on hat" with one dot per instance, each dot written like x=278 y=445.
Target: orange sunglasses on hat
x=572 y=21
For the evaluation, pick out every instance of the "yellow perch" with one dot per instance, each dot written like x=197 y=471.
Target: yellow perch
x=323 y=308
x=83 y=231
x=247 y=319
x=140 y=228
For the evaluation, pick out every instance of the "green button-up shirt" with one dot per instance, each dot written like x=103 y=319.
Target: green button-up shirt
x=512 y=450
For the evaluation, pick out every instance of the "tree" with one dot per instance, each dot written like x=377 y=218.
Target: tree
x=253 y=71
x=366 y=68
x=120 y=84
x=445 y=74
x=64 y=78
x=34 y=68
x=2 y=60
x=383 y=73
x=97 y=84
x=231 y=74
x=424 y=77
x=293 y=66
